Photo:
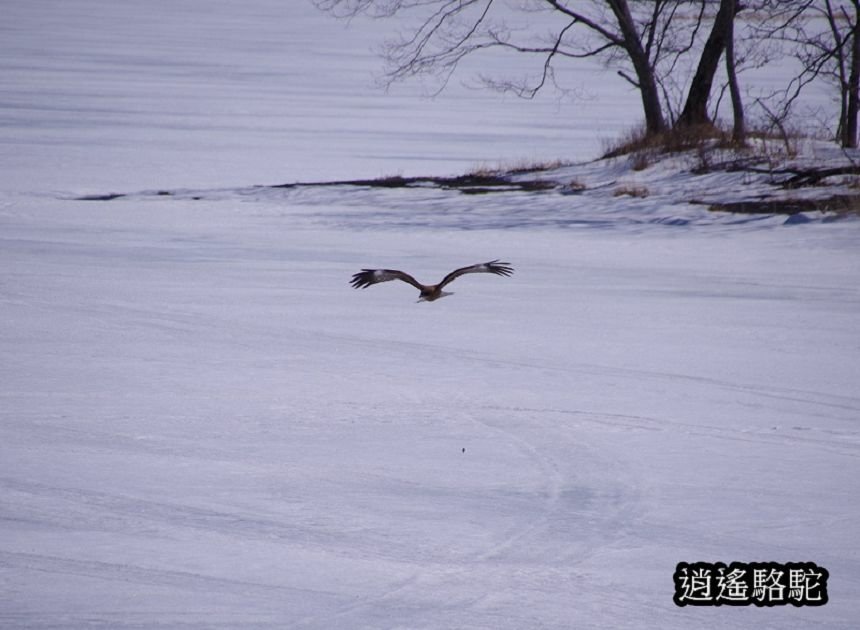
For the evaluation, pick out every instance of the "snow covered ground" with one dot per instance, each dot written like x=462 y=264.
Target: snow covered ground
x=202 y=425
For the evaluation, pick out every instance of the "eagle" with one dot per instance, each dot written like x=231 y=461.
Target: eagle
x=429 y=292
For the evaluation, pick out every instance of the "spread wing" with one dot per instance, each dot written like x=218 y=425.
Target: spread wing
x=366 y=277
x=494 y=266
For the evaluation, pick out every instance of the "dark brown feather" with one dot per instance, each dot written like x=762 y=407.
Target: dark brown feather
x=494 y=266
x=367 y=277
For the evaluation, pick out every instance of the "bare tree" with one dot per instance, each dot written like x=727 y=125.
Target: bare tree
x=651 y=44
x=739 y=123
x=846 y=57
x=696 y=108
x=644 y=40
x=824 y=36
x=722 y=37
x=849 y=138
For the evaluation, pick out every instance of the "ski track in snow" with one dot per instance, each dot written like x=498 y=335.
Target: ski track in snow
x=614 y=510
x=555 y=491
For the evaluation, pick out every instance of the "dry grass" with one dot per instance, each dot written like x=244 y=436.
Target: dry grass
x=637 y=141
x=640 y=192
x=518 y=167
x=709 y=143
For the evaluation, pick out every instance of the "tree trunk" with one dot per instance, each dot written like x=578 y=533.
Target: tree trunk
x=840 y=54
x=849 y=139
x=655 y=123
x=739 y=125
x=695 y=110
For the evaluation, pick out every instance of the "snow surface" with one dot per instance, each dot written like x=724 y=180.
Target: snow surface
x=202 y=425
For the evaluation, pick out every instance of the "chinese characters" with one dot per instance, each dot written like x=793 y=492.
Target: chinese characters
x=742 y=584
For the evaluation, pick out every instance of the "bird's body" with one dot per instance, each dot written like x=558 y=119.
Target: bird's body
x=429 y=292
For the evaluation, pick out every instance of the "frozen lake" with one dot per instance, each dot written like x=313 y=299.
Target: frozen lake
x=99 y=93
x=203 y=426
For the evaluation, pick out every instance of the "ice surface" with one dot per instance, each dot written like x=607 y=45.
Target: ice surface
x=202 y=425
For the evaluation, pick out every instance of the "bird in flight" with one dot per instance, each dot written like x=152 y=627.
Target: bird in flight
x=429 y=292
